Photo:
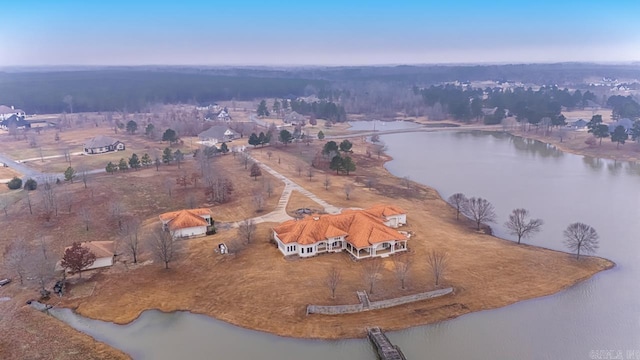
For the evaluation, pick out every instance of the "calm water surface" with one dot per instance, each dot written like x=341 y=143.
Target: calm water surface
x=602 y=313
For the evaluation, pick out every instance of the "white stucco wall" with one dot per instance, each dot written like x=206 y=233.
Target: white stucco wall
x=191 y=231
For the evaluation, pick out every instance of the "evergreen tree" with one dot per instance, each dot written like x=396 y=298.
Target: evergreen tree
x=254 y=140
x=348 y=165
x=320 y=135
x=111 y=168
x=285 y=137
x=345 y=146
x=262 y=109
x=224 y=148
x=167 y=156
x=619 y=136
x=336 y=164
x=146 y=160
x=122 y=165
x=69 y=174
x=170 y=136
x=132 y=127
x=134 y=162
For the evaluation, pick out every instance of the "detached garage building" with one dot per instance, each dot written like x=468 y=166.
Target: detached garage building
x=187 y=223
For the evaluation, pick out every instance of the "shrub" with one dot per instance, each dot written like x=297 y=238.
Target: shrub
x=30 y=184
x=15 y=183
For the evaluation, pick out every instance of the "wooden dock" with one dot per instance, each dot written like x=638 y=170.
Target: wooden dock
x=384 y=348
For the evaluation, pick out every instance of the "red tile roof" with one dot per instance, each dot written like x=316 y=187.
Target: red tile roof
x=361 y=227
x=185 y=218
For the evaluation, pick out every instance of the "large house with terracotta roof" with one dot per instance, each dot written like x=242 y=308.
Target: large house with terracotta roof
x=361 y=233
x=187 y=223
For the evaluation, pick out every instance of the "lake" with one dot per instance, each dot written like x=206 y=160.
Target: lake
x=592 y=318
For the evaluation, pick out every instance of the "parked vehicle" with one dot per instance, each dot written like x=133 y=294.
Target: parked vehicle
x=4 y=282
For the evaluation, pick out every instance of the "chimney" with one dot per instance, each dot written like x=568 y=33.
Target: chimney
x=12 y=108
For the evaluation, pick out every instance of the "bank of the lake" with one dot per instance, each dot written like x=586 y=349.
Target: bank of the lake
x=255 y=288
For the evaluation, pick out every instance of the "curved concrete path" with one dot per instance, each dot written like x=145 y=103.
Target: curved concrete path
x=279 y=214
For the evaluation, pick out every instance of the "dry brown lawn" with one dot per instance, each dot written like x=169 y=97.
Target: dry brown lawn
x=256 y=287
x=8 y=173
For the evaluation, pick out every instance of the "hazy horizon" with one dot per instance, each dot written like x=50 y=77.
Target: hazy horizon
x=292 y=33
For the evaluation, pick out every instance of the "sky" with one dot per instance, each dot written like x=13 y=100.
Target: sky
x=326 y=32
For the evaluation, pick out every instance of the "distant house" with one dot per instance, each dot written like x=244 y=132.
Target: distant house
x=187 y=223
x=14 y=121
x=103 y=250
x=223 y=116
x=102 y=144
x=6 y=112
x=626 y=123
x=217 y=134
x=294 y=118
x=578 y=124
x=489 y=111
x=361 y=233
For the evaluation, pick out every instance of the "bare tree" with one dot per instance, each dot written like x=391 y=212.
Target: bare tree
x=458 y=201
x=437 y=261
x=168 y=185
x=258 y=200
x=579 y=237
x=41 y=266
x=163 y=246
x=5 y=203
x=519 y=225
x=84 y=175
x=326 y=182
x=333 y=279
x=247 y=230
x=67 y=198
x=348 y=189
x=191 y=201
x=15 y=258
x=401 y=267
x=371 y=271
x=406 y=181
x=131 y=237
x=299 y=168
x=268 y=187
x=29 y=204
x=117 y=212
x=310 y=173
x=479 y=210
x=370 y=182
x=245 y=159
x=85 y=215
x=49 y=201
x=269 y=154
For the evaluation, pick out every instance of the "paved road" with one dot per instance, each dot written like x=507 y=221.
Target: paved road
x=27 y=171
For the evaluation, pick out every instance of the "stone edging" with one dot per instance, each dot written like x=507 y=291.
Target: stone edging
x=374 y=305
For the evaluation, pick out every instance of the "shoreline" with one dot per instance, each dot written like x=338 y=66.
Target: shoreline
x=438 y=310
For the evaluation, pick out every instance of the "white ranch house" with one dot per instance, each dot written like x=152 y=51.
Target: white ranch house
x=217 y=134
x=102 y=144
x=361 y=233
x=187 y=223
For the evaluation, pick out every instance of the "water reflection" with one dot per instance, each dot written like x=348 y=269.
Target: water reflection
x=593 y=163
x=535 y=147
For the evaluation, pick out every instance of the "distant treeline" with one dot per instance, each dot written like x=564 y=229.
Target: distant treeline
x=465 y=103
x=135 y=90
x=320 y=109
